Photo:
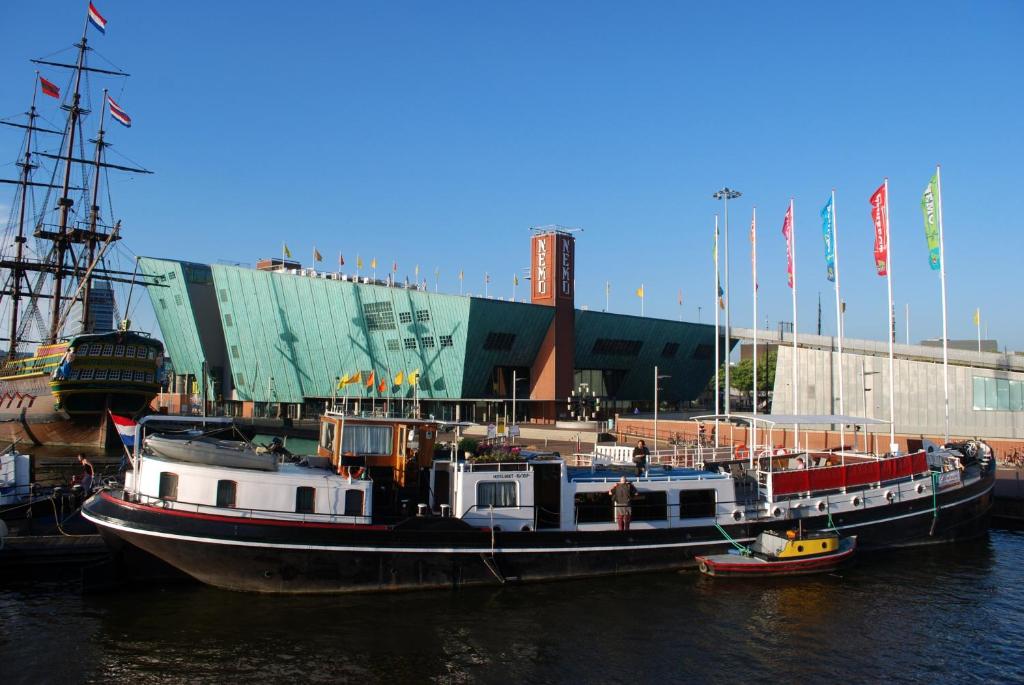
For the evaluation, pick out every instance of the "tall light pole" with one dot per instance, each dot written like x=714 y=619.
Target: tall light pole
x=657 y=377
x=515 y=383
x=726 y=194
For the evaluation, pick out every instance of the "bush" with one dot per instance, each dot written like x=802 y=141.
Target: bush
x=467 y=445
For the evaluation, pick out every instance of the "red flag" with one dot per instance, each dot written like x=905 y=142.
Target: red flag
x=383 y=386
x=341 y=260
x=369 y=380
x=787 y=232
x=50 y=89
x=880 y=218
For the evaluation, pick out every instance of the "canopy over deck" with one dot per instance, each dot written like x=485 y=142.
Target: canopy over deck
x=799 y=419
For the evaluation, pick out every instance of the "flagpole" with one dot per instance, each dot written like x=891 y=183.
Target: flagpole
x=839 y=316
x=753 y=261
x=607 y=294
x=977 y=322
x=718 y=340
x=892 y=332
x=942 y=278
x=643 y=295
x=792 y=254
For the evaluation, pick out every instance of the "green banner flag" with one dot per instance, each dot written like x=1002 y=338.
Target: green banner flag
x=931 y=221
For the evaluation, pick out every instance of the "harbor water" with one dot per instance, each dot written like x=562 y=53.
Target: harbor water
x=945 y=614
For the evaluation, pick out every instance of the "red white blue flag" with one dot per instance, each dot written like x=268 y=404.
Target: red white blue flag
x=96 y=19
x=125 y=428
x=119 y=114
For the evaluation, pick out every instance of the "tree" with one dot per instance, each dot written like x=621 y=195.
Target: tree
x=741 y=376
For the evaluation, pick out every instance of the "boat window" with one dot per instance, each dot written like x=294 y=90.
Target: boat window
x=129 y=351
x=367 y=440
x=304 y=500
x=353 y=503
x=495 y=494
x=168 y=485
x=95 y=349
x=650 y=505
x=593 y=507
x=108 y=350
x=696 y=504
x=226 y=490
x=327 y=436
x=100 y=375
x=119 y=351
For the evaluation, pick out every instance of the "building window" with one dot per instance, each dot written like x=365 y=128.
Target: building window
x=497 y=340
x=227 y=320
x=422 y=315
x=427 y=342
x=379 y=316
x=226 y=490
x=446 y=341
x=404 y=317
x=168 y=488
x=353 y=503
x=410 y=343
x=234 y=351
x=392 y=345
x=305 y=498
x=223 y=295
x=998 y=394
x=617 y=348
x=694 y=504
x=704 y=352
x=177 y=299
x=171 y=276
x=495 y=494
x=670 y=350
x=163 y=303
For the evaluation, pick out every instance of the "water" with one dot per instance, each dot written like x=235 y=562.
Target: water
x=950 y=614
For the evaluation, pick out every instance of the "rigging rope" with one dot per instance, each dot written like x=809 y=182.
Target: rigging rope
x=745 y=550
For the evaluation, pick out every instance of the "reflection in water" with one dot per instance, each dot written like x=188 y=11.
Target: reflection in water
x=914 y=616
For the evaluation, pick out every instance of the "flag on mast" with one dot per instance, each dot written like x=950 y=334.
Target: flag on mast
x=119 y=114
x=879 y=200
x=828 y=232
x=341 y=260
x=287 y=253
x=317 y=257
x=96 y=19
x=787 y=233
x=931 y=222
x=49 y=88
x=359 y=262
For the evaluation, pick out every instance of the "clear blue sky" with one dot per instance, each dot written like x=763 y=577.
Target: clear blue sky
x=437 y=133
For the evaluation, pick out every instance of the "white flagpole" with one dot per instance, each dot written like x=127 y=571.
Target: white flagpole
x=977 y=322
x=718 y=341
x=643 y=296
x=607 y=295
x=753 y=260
x=942 y=276
x=792 y=254
x=892 y=332
x=839 y=316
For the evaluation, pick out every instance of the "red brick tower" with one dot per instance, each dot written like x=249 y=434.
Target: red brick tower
x=553 y=284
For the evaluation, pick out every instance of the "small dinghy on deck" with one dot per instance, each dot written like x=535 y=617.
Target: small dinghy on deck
x=783 y=554
x=211 y=451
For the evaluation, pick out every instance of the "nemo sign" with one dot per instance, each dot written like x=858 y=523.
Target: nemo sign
x=553 y=269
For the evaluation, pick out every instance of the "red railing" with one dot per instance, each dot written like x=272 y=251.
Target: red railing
x=851 y=475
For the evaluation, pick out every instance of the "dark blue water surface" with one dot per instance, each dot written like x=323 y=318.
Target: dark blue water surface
x=948 y=614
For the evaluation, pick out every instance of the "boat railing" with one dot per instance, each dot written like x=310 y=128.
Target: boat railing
x=830 y=477
x=247 y=513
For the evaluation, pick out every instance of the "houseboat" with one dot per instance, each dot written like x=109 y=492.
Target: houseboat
x=381 y=507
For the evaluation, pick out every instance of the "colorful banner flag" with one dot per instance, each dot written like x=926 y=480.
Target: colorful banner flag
x=515 y=279
x=414 y=377
x=119 y=114
x=317 y=257
x=382 y=386
x=977 y=317
x=931 y=221
x=399 y=377
x=125 y=428
x=359 y=262
x=50 y=89
x=286 y=251
x=373 y=263
x=341 y=260
x=356 y=378
x=394 y=266
x=640 y=291
x=369 y=380
x=787 y=233
x=96 y=19
x=828 y=232
x=343 y=381
x=878 y=212
x=680 y=298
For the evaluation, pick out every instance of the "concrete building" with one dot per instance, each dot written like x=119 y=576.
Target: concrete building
x=277 y=339
x=986 y=390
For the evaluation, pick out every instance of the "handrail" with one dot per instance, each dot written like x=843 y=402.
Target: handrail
x=245 y=512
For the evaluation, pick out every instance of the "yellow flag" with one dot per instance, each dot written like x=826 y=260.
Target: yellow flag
x=287 y=252
x=398 y=378
x=977 y=317
x=343 y=381
x=373 y=263
x=414 y=377
x=515 y=279
x=640 y=291
x=357 y=377
x=359 y=262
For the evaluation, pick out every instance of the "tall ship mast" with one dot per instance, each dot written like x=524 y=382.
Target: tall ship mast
x=69 y=363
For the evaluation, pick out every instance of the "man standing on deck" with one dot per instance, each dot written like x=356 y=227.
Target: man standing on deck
x=87 y=474
x=640 y=454
x=622 y=495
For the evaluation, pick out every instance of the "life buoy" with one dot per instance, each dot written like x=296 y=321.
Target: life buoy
x=822 y=506
x=703 y=567
x=741 y=451
x=890 y=496
x=737 y=515
x=855 y=501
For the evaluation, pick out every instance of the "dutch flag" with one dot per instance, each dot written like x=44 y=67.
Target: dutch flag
x=119 y=114
x=125 y=428
x=96 y=19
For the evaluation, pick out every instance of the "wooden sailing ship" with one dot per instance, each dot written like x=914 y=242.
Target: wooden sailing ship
x=61 y=392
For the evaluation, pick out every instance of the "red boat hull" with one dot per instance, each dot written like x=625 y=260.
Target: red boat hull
x=715 y=566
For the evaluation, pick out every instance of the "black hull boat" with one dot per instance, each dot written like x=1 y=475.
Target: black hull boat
x=368 y=546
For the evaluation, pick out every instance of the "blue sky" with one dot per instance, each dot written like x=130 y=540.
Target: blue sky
x=438 y=133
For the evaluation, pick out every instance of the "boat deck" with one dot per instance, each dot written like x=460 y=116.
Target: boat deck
x=656 y=474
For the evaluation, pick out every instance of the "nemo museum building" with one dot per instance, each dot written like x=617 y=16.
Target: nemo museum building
x=280 y=340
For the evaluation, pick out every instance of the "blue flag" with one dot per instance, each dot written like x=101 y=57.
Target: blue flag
x=828 y=230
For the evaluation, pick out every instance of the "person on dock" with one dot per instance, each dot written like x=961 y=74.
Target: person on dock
x=622 y=494
x=640 y=455
x=88 y=472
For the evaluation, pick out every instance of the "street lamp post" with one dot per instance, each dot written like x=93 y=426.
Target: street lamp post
x=515 y=382
x=726 y=194
x=657 y=377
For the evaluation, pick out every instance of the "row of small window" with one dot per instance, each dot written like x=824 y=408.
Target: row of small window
x=109 y=350
x=227 y=495
x=597 y=507
x=426 y=342
x=998 y=394
x=111 y=375
x=422 y=315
